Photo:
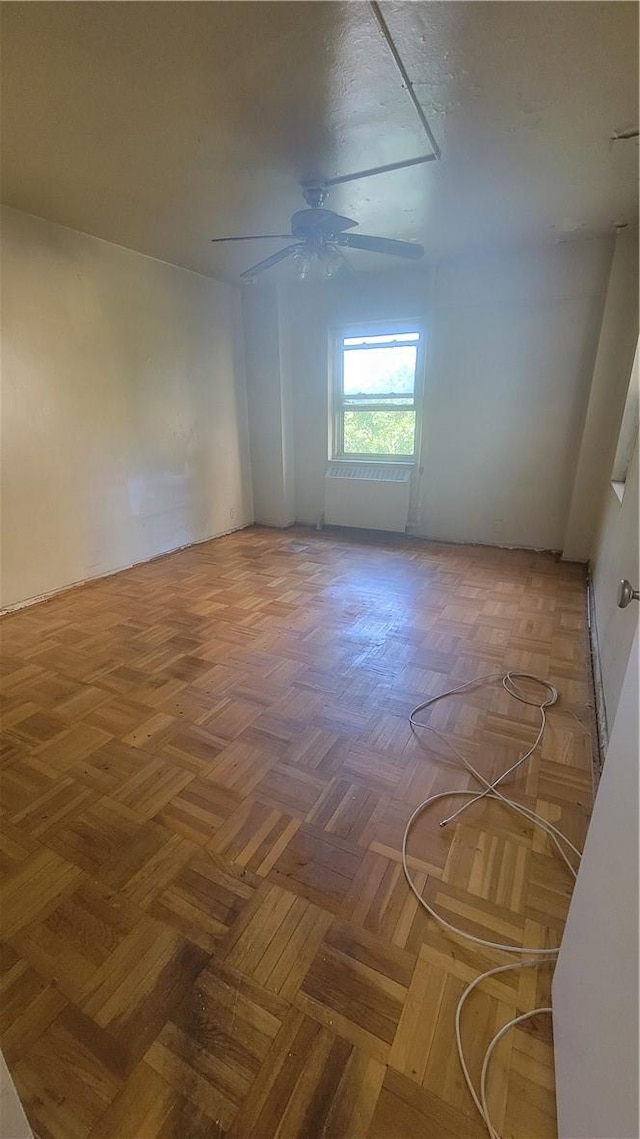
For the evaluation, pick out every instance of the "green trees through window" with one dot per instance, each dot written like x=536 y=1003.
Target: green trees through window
x=379 y=432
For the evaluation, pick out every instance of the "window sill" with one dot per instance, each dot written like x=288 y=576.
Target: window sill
x=375 y=460
x=618 y=489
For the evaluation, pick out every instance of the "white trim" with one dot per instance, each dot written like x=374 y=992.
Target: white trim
x=600 y=709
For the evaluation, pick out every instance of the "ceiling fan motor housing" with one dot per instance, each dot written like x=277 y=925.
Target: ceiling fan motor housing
x=314 y=194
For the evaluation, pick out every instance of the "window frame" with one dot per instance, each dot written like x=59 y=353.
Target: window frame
x=337 y=404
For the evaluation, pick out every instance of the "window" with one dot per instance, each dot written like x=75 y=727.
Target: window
x=628 y=435
x=375 y=394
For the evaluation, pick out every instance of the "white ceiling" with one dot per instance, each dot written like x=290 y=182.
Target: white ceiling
x=159 y=126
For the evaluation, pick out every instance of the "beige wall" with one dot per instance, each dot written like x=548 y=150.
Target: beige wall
x=270 y=406
x=601 y=527
x=616 y=346
x=123 y=408
x=511 y=342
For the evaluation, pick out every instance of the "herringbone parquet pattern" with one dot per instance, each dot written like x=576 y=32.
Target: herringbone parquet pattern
x=206 y=773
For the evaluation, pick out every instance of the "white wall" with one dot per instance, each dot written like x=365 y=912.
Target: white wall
x=616 y=557
x=123 y=408
x=510 y=367
x=511 y=347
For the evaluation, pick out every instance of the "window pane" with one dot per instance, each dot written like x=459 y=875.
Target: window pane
x=373 y=371
x=379 y=432
x=397 y=337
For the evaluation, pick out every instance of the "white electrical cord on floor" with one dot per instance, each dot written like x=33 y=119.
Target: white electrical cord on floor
x=511 y=682
x=481 y=1100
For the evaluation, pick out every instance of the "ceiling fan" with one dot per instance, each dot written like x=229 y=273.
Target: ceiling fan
x=320 y=234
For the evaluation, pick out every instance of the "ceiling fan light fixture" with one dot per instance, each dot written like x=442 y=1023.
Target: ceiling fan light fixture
x=331 y=261
x=302 y=263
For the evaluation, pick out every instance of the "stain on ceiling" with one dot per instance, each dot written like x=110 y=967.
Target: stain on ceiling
x=161 y=125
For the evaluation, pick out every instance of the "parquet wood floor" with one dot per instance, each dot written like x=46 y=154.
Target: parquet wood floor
x=206 y=772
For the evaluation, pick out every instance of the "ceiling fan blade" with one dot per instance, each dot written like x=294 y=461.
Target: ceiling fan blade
x=253 y=237
x=380 y=245
x=255 y=270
